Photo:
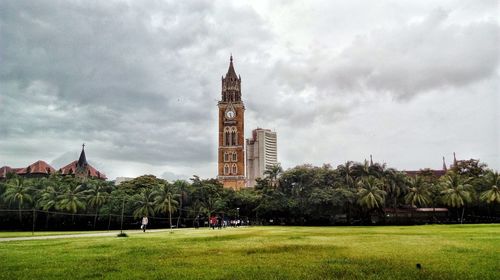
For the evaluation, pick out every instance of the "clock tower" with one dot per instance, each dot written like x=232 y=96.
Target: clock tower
x=231 y=155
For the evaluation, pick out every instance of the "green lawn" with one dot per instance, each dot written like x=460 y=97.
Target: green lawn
x=444 y=252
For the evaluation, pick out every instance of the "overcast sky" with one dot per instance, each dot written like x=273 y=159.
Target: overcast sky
x=138 y=81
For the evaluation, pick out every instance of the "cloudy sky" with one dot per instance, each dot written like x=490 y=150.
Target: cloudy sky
x=138 y=81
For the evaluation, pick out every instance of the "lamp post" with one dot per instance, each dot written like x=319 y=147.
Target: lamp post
x=238 y=214
x=123 y=208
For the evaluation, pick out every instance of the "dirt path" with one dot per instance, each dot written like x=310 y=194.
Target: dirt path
x=113 y=233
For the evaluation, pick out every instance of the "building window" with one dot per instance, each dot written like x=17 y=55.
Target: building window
x=235 y=169
x=234 y=136
x=230 y=136
x=235 y=156
x=227 y=136
x=226 y=169
x=226 y=156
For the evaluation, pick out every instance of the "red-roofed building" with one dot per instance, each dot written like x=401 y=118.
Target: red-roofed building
x=79 y=168
x=4 y=170
x=35 y=170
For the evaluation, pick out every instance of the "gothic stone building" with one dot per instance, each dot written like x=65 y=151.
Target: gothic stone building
x=231 y=155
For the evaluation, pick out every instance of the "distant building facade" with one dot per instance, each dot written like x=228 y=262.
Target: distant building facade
x=78 y=168
x=35 y=170
x=231 y=154
x=262 y=153
x=435 y=172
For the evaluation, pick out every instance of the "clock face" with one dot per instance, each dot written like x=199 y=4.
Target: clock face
x=230 y=114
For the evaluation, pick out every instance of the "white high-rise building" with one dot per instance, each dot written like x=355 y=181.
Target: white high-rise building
x=261 y=153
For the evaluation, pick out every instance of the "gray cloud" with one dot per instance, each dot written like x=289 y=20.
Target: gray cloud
x=404 y=60
x=139 y=82
x=119 y=73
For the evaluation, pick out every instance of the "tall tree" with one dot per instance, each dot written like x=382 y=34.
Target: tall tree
x=418 y=192
x=273 y=174
x=345 y=187
x=346 y=172
x=18 y=191
x=361 y=169
x=492 y=184
x=48 y=200
x=469 y=168
x=456 y=191
x=97 y=195
x=370 y=193
x=72 y=199
x=395 y=185
x=182 y=187
x=144 y=203
x=166 y=200
x=209 y=194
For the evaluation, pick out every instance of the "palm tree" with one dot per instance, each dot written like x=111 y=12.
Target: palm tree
x=72 y=200
x=492 y=182
x=166 y=200
x=48 y=200
x=182 y=187
x=395 y=185
x=347 y=196
x=346 y=172
x=456 y=191
x=361 y=169
x=345 y=187
x=144 y=203
x=378 y=170
x=370 y=193
x=97 y=195
x=273 y=173
x=19 y=192
x=418 y=192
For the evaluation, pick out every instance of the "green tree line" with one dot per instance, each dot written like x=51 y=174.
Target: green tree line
x=351 y=193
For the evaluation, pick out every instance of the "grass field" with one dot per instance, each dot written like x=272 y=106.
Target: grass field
x=444 y=252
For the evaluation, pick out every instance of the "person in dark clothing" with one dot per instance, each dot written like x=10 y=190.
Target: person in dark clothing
x=219 y=222
x=196 y=222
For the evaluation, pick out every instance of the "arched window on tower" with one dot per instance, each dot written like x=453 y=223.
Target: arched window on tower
x=234 y=136
x=227 y=136
x=226 y=156
x=235 y=169
x=235 y=156
x=226 y=169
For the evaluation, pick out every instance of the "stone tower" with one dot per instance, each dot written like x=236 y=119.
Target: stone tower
x=231 y=154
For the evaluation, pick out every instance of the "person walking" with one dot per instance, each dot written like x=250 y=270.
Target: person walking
x=213 y=222
x=196 y=222
x=144 y=223
x=219 y=222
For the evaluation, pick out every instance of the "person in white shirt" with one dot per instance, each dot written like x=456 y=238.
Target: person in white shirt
x=144 y=223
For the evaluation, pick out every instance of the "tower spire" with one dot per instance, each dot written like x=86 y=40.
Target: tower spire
x=444 y=165
x=371 y=160
x=82 y=161
x=230 y=71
